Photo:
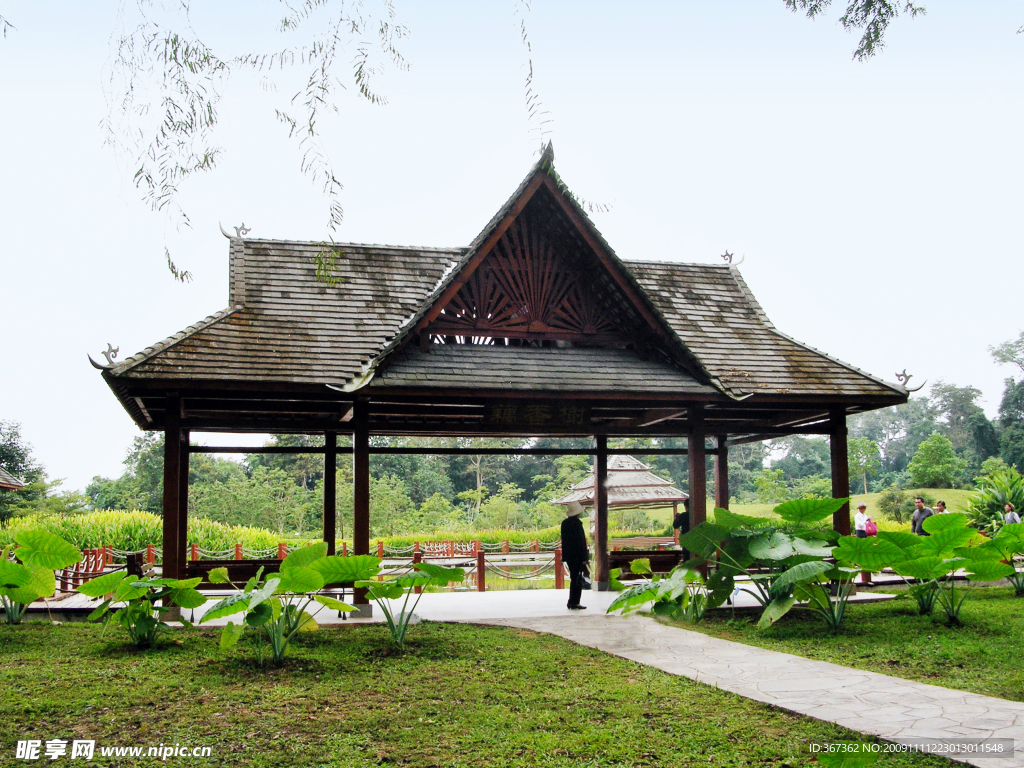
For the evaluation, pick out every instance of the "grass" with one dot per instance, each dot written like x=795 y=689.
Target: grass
x=982 y=656
x=461 y=696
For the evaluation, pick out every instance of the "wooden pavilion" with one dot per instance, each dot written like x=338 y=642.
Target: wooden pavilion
x=9 y=482
x=536 y=328
x=630 y=483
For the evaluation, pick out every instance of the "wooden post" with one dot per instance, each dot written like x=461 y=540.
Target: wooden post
x=698 y=467
x=194 y=552
x=559 y=569
x=151 y=554
x=481 y=567
x=183 y=469
x=360 y=487
x=601 y=510
x=344 y=549
x=505 y=547
x=330 y=489
x=380 y=549
x=282 y=550
x=840 y=468
x=417 y=557
x=238 y=551
x=172 y=489
x=722 y=473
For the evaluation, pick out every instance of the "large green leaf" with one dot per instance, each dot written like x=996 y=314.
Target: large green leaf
x=676 y=584
x=806 y=511
x=219 y=576
x=439 y=575
x=935 y=523
x=300 y=580
x=640 y=567
x=305 y=557
x=736 y=557
x=944 y=542
x=775 y=610
x=774 y=546
x=41 y=584
x=905 y=541
x=997 y=548
x=382 y=590
x=12 y=575
x=105 y=584
x=42 y=548
x=721 y=585
x=188 y=598
x=987 y=570
x=634 y=597
x=230 y=605
x=926 y=568
x=230 y=635
x=704 y=539
x=342 y=570
x=259 y=615
x=732 y=520
x=812 y=547
x=330 y=602
x=798 y=573
x=871 y=553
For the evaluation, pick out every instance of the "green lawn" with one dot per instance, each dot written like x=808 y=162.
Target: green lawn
x=982 y=656
x=461 y=696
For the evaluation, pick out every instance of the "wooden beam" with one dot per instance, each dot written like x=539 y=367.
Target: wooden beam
x=840 y=470
x=601 y=511
x=722 y=473
x=698 y=468
x=658 y=415
x=330 y=489
x=172 y=566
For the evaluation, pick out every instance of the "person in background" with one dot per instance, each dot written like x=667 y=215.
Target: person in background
x=860 y=521
x=681 y=522
x=1011 y=515
x=575 y=553
x=921 y=514
x=940 y=508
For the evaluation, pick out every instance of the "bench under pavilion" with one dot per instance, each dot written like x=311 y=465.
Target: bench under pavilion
x=536 y=329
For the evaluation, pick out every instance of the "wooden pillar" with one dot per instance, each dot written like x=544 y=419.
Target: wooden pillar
x=481 y=571
x=698 y=467
x=330 y=489
x=361 y=480
x=172 y=559
x=183 y=468
x=722 y=473
x=601 y=511
x=840 y=468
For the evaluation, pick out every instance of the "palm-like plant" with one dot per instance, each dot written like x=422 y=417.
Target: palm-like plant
x=995 y=490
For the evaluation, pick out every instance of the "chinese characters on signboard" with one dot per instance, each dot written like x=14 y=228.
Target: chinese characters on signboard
x=533 y=413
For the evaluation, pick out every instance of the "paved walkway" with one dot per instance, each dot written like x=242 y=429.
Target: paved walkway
x=868 y=702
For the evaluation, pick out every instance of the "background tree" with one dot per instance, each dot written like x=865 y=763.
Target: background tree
x=864 y=458
x=16 y=457
x=935 y=464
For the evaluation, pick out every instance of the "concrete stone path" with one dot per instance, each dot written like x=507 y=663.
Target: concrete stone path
x=867 y=702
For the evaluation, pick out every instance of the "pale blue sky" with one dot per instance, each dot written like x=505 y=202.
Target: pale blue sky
x=878 y=204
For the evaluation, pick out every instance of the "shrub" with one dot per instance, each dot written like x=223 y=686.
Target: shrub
x=994 y=491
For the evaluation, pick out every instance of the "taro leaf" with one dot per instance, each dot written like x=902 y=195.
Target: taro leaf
x=230 y=636
x=307 y=623
x=925 y=568
x=796 y=574
x=807 y=511
x=305 y=557
x=704 y=539
x=613 y=580
x=45 y=549
x=634 y=597
x=676 y=584
x=858 y=756
x=219 y=576
x=1011 y=538
x=41 y=584
x=775 y=610
x=187 y=583
x=259 y=615
x=342 y=570
x=872 y=554
x=774 y=546
x=265 y=592
x=101 y=609
x=905 y=541
x=439 y=575
x=188 y=598
x=330 y=602
x=736 y=556
x=731 y=520
x=250 y=585
x=942 y=543
x=935 y=523
x=382 y=590
x=12 y=575
x=300 y=580
x=665 y=609
x=987 y=570
x=641 y=566
x=231 y=604
x=721 y=586
x=812 y=547
x=130 y=589
x=103 y=585
x=999 y=548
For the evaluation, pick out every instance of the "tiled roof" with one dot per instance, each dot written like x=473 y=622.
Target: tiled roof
x=9 y=481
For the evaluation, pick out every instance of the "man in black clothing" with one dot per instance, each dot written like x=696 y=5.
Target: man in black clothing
x=575 y=553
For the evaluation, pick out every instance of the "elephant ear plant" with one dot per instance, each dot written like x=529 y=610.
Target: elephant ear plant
x=280 y=603
x=21 y=583
x=681 y=595
x=384 y=592
x=145 y=599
